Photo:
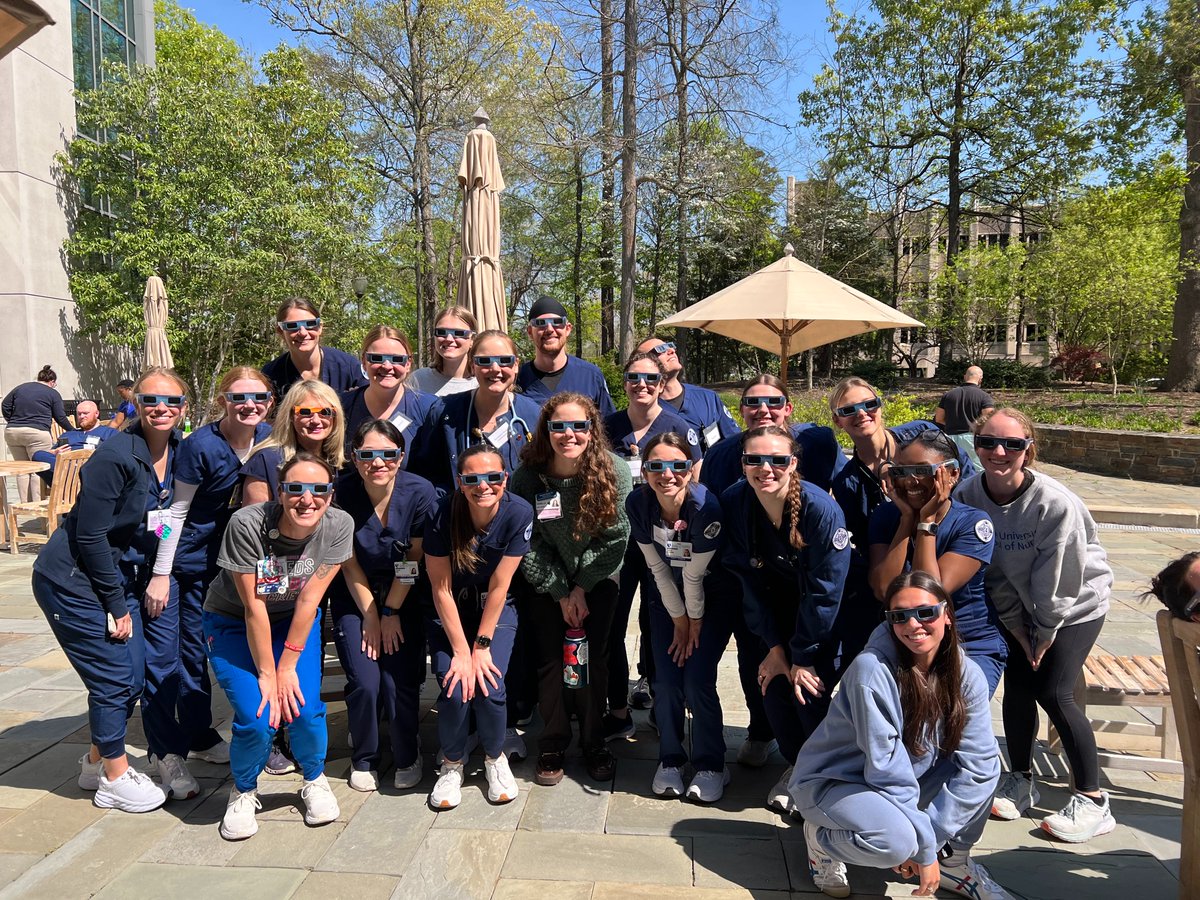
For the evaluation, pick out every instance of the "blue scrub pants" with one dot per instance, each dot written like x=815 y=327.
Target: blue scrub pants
x=229 y=652
x=391 y=683
x=193 y=704
x=634 y=574
x=111 y=670
x=490 y=714
x=160 y=694
x=749 y=651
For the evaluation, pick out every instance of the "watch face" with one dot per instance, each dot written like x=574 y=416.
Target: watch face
x=483 y=642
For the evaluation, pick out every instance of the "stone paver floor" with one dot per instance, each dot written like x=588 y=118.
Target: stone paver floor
x=577 y=840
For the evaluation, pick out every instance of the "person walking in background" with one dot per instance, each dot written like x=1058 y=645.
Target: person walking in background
x=552 y=370
x=960 y=407
x=29 y=409
x=453 y=332
x=126 y=411
x=298 y=324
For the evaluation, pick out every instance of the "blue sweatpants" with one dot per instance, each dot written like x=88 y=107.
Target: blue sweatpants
x=229 y=652
x=111 y=670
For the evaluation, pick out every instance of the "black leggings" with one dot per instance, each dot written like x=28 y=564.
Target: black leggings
x=1052 y=687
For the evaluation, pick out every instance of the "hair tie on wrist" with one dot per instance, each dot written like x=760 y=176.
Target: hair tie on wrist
x=290 y=646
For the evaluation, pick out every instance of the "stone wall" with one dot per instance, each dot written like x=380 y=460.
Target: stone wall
x=1163 y=458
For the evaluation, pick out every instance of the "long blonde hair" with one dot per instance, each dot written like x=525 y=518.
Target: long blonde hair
x=283 y=434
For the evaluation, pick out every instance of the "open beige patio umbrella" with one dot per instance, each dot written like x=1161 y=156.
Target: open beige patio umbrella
x=788 y=307
x=154 y=305
x=480 y=279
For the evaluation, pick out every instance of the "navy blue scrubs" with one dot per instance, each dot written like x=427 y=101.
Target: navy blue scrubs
x=264 y=465
x=703 y=410
x=578 y=376
x=453 y=426
x=339 y=369
x=409 y=416
x=393 y=681
x=820 y=457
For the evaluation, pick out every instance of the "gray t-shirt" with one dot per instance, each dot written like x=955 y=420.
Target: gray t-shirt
x=431 y=381
x=282 y=566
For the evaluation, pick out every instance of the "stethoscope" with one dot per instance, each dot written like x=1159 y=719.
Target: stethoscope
x=793 y=559
x=513 y=422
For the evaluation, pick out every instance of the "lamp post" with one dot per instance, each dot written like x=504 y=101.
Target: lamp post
x=360 y=285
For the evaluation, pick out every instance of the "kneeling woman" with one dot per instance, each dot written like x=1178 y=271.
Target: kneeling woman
x=906 y=758
x=262 y=629
x=472 y=549
x=676 y=524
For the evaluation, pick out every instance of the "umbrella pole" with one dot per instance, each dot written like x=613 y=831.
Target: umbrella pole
x=785 y=341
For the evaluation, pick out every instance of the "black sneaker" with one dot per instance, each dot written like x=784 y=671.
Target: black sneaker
x=600 y=764
x=640 y=697
x=615 y=729
x=280 y=761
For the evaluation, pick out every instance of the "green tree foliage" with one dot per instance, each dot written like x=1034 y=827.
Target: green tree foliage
x=238 y=187
x=988 y=283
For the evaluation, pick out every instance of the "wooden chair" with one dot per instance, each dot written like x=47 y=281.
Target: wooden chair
x=63 y=490
x=1181 y=653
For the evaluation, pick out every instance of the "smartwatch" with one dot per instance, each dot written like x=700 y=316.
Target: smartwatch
x=386 y=611
x=927 y=527
x=483 y=641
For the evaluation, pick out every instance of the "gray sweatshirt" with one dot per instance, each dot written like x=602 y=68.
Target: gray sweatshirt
x=1048 y=568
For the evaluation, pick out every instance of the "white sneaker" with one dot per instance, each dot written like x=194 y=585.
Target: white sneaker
x=174 y=776
x=514 y=745
x=472 y=743
x=1015 y=795
x=364 y=780
x=708 y=787
x=132 y=792
x=962 y=875
x=90 y=772
x=1080 y=820
x=755 y=753
x=239 y=822
x=827 y=873
x=447 y=792
x=217 y=754
x=409 y=776
x=779 y=798
x=502 y=787
x=668 y=781
x=320 y=806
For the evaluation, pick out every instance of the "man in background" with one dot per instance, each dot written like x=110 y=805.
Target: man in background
x=960 y=407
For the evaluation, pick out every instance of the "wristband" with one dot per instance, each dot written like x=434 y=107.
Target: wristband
x=288 y=645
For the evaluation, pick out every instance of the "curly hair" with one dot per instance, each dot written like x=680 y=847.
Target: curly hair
x=598 y=498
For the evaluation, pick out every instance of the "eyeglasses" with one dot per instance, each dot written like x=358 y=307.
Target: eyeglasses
x=459 y=333
x=307 y=412
x=851 y=409
x=663 y=348
x=306 y=324
x=482 y=478
x=1193 y=606
x=1012 y=444
x=648 y=377
x=920 y=613
x=171 y=400
x=379 y=359
x=923 y=471
x=243 y=396
x=390 y=454
x=543 y=322
x=299 y=488
x=777 y=401
x=486 y=362
x=561 y=425
x=667 y=465
x=775 y=461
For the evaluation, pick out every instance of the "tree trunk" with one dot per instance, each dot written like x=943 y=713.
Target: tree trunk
x=656 y=275
x=608 y=210
x=577 y=255
x=423 y=176
x=1183 y=370
x=629 y=136
x=682 y=74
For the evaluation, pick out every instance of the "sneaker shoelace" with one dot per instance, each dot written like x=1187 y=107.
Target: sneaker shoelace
x=249 y=798
x=1077 y=805
x=174 y=768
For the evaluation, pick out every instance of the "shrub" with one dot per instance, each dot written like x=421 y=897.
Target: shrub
x=884 y=374
x=1079 y=363
x=997 y=373
x=614 y=377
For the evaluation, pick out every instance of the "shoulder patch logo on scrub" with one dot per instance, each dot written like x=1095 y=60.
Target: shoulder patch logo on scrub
x=841 y=539
x=984 y=530
x=529 y=531
x=712 y=530
x=693 y=438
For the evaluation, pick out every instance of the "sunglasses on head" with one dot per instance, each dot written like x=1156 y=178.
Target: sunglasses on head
x=299 y=488
x=306 y=324
x=851 y=409
x=920 y=471
x=307 y=412
x=776 y=401
x=482 y=478
x=667 y=465
x=396 y=359
x=920 y=613
x=549 y=322
x=648 y=377
x=243 y=396
x=459 y=333
x=774 y=460
x=663 y=348
x=561 y=425
x=172 y=400
x=486 y=362
x=1011 y=444
x=390 y=454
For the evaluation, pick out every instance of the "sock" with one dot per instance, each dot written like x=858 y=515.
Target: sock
x=1099 y=801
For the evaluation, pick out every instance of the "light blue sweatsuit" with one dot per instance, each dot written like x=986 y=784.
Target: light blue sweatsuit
x=874 y=804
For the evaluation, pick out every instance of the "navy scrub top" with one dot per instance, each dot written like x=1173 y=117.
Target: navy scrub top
x=507 y=535
x=339 y=370
x=701 y=511
x=144 y=546
x=409 y=416
x=703 y=410
x=264 y=465
x=378 y=546
x=451 y=423
x=620 y=433
x=578 y=376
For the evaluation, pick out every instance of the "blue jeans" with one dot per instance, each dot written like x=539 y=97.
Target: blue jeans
x=490 y=711
x=111 y=670
x=229 y=652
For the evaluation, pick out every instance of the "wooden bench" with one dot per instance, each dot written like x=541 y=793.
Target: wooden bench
x=1181 y=647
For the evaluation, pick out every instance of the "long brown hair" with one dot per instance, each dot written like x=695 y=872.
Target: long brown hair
x=930 y=697
x=597 y=477
x=457 y=312
x=463 y=538
x=794 y=505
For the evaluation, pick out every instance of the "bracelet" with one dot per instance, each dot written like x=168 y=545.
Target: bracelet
x=288 y=645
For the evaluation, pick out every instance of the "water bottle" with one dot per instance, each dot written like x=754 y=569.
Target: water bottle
x=575 y=658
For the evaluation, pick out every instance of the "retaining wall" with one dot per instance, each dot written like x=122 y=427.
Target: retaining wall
x=1144 y=455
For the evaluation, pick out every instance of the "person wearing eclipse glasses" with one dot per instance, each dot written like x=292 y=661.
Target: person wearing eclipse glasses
x=700 y=407
x=1050 y=583
x=298 y=324
x=453 y=333
x=552 y=370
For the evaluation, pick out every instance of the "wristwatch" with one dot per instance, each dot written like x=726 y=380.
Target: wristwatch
x=386 y=611
x=482 y=641
x=927 y=527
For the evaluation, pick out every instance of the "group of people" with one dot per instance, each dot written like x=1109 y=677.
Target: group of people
x=494 y=519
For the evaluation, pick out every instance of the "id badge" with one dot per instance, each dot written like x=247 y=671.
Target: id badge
x=635 y=468
x=156 y=523
x=270 y=577
x=549 y=506
x=499 y=438
x=679 y=553
x=91 y=443
x=401 y=421
x=712 y=434
x=406 y=571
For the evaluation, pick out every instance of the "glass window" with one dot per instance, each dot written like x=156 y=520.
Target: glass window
x=81 y=45
x=114 y=11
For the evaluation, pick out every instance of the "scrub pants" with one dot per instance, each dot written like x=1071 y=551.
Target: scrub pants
x=454 y=716
x=749 y=649
x=111 y=670
x=229 y=652
x=162 y=670
x=193 y=703
x=634 y=573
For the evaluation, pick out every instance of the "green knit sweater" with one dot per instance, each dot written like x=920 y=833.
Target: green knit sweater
x=557 y=560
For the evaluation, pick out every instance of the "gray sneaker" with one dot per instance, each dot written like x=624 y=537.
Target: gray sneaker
x=1080 y=820
x=1015 y=795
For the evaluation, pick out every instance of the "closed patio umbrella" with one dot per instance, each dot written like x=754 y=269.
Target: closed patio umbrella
x=154 y=305
x=480 y=279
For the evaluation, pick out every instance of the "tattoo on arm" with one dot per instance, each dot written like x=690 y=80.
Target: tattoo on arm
x=323 y=571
